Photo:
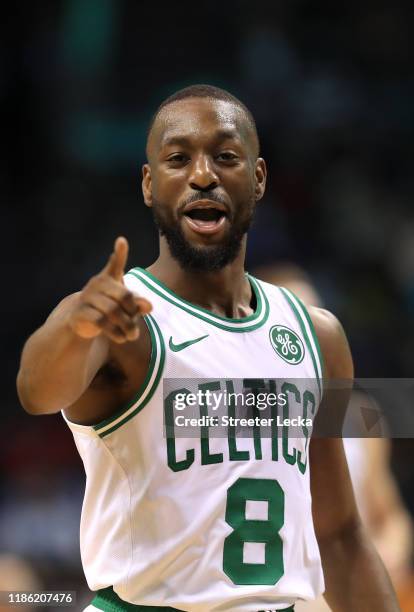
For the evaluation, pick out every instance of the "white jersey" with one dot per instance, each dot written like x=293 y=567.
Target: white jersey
x=207 y=522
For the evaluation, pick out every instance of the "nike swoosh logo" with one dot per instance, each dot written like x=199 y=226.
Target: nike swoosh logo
x=179 y=347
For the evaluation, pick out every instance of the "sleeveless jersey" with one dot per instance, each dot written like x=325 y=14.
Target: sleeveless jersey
x=208 y=522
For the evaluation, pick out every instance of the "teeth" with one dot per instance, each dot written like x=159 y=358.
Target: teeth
x=205 y=227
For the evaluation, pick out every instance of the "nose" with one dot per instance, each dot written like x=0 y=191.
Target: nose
x=203 y=175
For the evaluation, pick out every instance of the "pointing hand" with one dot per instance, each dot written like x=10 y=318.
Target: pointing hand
x=106 y=306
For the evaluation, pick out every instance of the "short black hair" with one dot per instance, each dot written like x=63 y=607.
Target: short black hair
x=206 y=91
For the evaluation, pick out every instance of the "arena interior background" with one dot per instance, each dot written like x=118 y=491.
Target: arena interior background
x=332 y=90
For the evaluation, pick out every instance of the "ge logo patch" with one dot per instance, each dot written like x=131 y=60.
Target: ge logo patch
x=287 y=344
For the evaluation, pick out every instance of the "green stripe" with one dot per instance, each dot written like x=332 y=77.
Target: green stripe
x=198 y=311
x=194 y=306
x=144 y=386
x=108 y=601
x=305 y=335
x=315 y=337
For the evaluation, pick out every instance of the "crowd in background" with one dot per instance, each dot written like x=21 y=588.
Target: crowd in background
x=332 y=90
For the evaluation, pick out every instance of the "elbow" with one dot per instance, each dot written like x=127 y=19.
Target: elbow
x=31 y=402
x=347 y=537
x=24 y=395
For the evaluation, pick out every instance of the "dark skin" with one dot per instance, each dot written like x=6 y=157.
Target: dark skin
x=197 y=146
x=99 y=337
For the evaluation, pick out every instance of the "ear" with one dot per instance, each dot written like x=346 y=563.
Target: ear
x=147 y=184
x=260 y=175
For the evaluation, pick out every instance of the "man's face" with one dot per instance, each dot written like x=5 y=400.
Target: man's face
x=203 y=180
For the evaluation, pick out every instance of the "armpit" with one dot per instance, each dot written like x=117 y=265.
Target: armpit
x=109 y=375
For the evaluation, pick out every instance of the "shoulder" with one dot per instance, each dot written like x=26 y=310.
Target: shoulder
x=333 y=342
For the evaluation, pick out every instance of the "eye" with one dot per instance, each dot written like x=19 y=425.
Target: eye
x=227 y=156
x=177 y=158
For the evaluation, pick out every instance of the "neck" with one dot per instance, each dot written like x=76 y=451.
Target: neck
x=225 y=292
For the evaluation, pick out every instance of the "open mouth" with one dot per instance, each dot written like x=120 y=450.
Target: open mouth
x=205 y=218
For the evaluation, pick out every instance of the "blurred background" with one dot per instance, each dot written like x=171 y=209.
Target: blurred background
x=331 y=86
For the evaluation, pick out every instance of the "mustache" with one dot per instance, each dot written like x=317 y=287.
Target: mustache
x=204 y=195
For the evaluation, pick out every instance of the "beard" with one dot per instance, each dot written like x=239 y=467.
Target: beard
x=208 y=258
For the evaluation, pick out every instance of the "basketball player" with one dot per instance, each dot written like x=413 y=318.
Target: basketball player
x=202 y=524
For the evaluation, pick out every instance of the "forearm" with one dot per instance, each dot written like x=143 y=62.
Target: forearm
x=61 y=359
x=355 y=577
x=57 y=366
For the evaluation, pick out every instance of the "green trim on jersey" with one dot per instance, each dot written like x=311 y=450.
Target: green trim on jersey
x=253 y=321
x=310 y=338
x=148 y=387
x=108 y=601
x=315 y=337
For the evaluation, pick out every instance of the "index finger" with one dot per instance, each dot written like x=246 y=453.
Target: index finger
x=117 y=261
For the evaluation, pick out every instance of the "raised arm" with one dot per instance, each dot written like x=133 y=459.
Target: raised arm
x=62 y=357
x=355 y=577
